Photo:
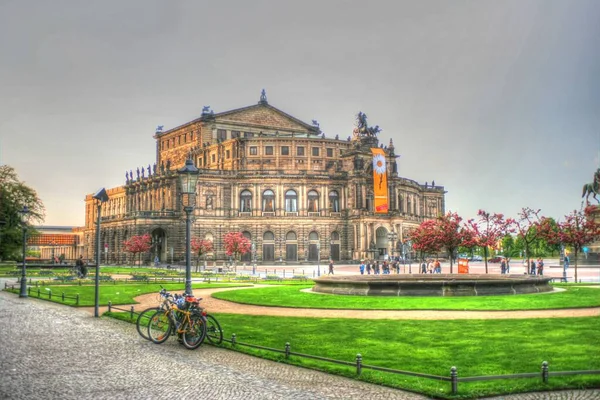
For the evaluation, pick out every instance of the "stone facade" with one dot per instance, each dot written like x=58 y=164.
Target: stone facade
x=297 y=194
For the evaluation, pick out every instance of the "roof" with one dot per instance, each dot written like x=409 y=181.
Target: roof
x=52 y=239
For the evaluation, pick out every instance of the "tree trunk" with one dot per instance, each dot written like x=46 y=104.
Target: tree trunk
x=450 y=253
x=485 y=257
x=576 y=251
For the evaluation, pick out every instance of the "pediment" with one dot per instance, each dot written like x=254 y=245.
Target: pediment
x=264 y=115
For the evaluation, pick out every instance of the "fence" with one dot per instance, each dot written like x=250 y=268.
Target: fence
x=48 y=292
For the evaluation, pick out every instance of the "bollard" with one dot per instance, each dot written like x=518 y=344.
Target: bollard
x=287 y=350
x=39 y=293
x=233 y=339
x=77 y=299
x=49 y=294
x=63 y=297
x=131 y=312
x=454 y=380
x=109 y=306
x=358 y=364
x=545 y=371
x=28 y=291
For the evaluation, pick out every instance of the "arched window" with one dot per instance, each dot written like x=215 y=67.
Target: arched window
x=334 y=201
x=335 y=236
x=246 y=201
x=291 y=201
x=268 y=201
x=313 y=201
x=290 y=236
x=313 y=236
x=268 y=236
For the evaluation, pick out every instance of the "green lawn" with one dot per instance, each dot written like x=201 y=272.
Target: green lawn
x=292 y=296
x=475 y=347
x=116 y=294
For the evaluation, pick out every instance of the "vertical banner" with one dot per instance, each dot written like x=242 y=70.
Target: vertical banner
x=380 y=188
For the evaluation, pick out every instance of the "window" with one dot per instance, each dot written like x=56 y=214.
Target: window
x=221 y=135
x=235 y=134
x=334 y=201
x=246 y=201
x=329 y=152
x=315 y=152
x=285 y=150
x=291 y=201
x=213 y=158
x=191 y=136
x=253 y=150
x=268 y=236
x=300 y=151
x=248 y=134
x=269 y=150
x=313 y=201
x=227 y=154
x=268 y=201
x=291 y=236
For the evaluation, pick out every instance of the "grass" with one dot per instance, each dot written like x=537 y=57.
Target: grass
x=116 y=294
x=475 y=347
x=292 y=296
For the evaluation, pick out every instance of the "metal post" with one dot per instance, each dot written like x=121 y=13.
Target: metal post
x=545 y=371
x=287 y=350
x=188 y=255
x=454 y=380
x=97 y=277
x=23 y=271
x=358 y=364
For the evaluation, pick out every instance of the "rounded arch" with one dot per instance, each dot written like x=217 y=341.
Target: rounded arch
x=314 y=235
x=268 y=236
x=291 y=201
x=381 y=241
x=268 y=201
x=159 y=244
x=291 y=235
x=334 y=201
x=313 y=200
x=335 y=235
x=246 y=201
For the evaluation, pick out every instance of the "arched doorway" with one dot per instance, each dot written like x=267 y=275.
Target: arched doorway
x=291 y=246
x=268 y=248
x=159 y=245
x=334 y=246
x=247 y=257
x=313 y=246
x=381 y=243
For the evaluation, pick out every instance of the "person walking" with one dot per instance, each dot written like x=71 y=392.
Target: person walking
x=566 y=260
x=503 y=266
x=423 y=267
x=540 y=267
x=507 y=265
x=532 y=267
x=80 y=267
x=368 y=267
x=330 y=267
x=362 y=267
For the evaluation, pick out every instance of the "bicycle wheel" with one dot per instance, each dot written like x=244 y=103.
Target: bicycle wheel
x=159 y=327
x=195 y=332
x=214 y=333
x=143 y=320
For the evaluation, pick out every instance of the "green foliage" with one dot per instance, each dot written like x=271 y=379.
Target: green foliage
x=293 y=296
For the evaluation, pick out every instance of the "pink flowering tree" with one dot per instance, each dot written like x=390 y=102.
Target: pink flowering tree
x=488 y=230
x=200 y=247
x=528 y=228
x=137 y=245
x=236 y=244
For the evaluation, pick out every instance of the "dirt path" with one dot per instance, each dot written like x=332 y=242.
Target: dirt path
x=215 y=305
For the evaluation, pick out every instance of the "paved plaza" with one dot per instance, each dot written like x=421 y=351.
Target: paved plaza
x=49 y=351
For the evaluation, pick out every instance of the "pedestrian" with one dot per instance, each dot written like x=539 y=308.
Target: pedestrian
x=330 y=267
x=362 y=267
x=532 y=267
x=397 y=265
x=423 y=267
x=437 y=266
x=507 y=265
x=156 y=261
x=79 y=266
x=368 y=267
x=503 y=266
x=566 y=262
x=540 y=267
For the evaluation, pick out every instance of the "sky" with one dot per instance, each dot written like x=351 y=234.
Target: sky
x=498 y=101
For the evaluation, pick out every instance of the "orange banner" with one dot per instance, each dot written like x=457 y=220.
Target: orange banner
x=380 y=181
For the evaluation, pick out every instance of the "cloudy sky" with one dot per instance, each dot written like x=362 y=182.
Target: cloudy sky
x=499 y=101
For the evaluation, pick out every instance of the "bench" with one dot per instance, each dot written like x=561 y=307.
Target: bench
x=560 y=279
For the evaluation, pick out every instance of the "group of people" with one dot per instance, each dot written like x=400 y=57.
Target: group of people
x=379 y=267
x=536 y=267
x=431 y=266
x=81 y=267
x=505 y=265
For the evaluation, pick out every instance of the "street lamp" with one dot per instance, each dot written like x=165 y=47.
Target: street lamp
x=24 y=214
x=188 y=179
x=253 y=258
x=279 y=242
x=306 y=242
x=392 y=237
x=319 y=258
x=102 y=197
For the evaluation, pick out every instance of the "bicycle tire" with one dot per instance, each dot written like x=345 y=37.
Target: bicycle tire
x=143 y=321
x=159 y=327
x=195 y=332
x=214 y=333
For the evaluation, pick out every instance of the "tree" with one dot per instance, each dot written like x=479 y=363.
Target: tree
x=527 y=227
x=422 y=238
x=578 y=229
x=14 y=195
x=137 y=245
x=488 y=231
x=200 y=247
x=236 y=244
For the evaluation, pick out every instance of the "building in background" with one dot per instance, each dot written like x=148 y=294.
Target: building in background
x=56 y=243
x=295 y=193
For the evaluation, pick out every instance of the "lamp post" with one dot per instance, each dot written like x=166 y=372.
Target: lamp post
x=188 y=179
x=392 y=237
x=306 y=250
x=253 y=258
x=279 y=242
x=24 y=213
x=409 y=245
x=319 y=258
x=101 y=197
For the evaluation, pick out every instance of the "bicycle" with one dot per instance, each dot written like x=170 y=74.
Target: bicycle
x=183 y=317
x=166 y=299
x=214 y=333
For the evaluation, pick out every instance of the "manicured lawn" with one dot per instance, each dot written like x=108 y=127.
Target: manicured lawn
x=475 y=347
x=292 y=296
x=116 y=294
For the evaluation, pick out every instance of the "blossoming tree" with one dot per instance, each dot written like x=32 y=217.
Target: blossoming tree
x=201 y=247
x=137 y=245
x=236 y=244
x=488 y=230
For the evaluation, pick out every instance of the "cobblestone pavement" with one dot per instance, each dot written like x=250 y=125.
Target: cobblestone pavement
x=48 y=351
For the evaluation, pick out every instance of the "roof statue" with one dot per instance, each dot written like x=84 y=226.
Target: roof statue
x=592 y=188
x=159 y=128
x=206 y=110
x=315 y=123
x=263 y=97
x=362 y=128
